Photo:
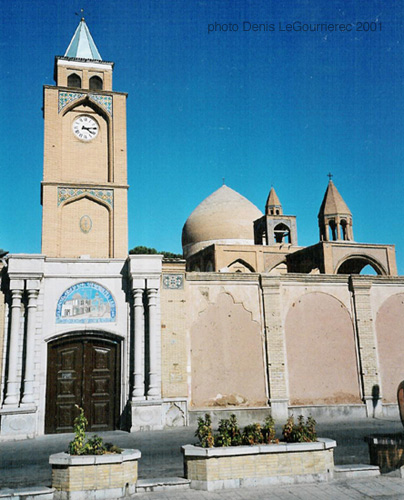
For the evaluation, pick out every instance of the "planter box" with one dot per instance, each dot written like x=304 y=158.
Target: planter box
x=386 y=451
x=94 y=476
x=245 y=466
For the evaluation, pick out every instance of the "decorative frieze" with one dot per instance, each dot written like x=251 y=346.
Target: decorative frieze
x=104 y=195
x=104 y=101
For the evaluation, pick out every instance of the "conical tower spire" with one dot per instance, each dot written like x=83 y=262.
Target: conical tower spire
x=273 y=205
x=82 y=45
x=334 y=217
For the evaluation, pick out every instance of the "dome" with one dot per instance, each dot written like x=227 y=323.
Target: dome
x=223 y=217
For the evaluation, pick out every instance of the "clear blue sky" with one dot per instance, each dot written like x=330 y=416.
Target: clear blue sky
x=258 y=108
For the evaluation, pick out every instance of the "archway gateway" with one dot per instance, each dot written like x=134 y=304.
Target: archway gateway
x=84 y=371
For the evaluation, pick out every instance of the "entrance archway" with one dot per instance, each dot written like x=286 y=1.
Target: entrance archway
x=83 y=370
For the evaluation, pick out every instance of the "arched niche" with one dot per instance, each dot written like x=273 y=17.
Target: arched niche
x=321 y=352
x=240 y=266
x=95 y=154
x=390 y=345
x=85 y=224
x=227 y=357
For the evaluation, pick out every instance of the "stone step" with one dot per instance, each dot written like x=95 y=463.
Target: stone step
x=162 y=483
x=30 y=493
x=355 y=471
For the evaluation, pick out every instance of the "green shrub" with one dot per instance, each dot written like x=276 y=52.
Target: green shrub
x=268 y=431
x=252 y=434
x=204 y=432
x=301 y=432
x=229 y=432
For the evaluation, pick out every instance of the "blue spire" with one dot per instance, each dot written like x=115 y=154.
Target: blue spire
x=82 y=44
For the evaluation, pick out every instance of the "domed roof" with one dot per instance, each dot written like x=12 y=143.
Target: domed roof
x=223 y=217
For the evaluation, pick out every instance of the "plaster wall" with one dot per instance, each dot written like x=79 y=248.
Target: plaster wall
x=227 y=359
x=390 y=345
x=321 y=351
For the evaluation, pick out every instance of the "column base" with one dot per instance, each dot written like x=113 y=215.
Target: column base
x=146 y=415
x=374 y=407
x=153 y=415
x=279 y=409
x=18 y=422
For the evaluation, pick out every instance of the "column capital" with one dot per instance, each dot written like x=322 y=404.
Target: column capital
x=33 y=285
x=360 y=285
x=138 y=283
x=17 y=285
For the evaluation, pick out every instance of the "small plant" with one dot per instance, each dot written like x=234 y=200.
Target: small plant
x=301 y=432
x=268 y=431
x=80 y=423
x=229 y=432
x=94 y=445
x=252 y=434
x=204 y=432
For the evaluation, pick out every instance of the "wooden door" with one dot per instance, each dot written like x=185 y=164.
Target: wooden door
x=83 y=371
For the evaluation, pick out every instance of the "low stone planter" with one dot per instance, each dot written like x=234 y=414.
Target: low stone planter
x=245 y=466
x=386 y=451
x=88 y=477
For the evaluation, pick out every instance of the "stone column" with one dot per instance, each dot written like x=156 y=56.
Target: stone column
x=367 y=346
x=138 y=373
x=276 y=351
x=33 y=290
x=338 y=225
x=154 y=390
x=13 y=384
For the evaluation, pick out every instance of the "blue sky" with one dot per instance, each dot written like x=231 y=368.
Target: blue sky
x=279 y=108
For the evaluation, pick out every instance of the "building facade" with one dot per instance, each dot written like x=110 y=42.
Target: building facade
x=248 y=321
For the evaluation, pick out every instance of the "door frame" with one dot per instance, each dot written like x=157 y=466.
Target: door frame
x=90 y=335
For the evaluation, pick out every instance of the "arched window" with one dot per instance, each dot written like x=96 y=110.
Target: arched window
x=95 y=83
x=282 y=233
x=332 y=231
x=74 y=80
x=344 y=233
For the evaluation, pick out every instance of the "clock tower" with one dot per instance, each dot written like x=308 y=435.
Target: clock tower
x=84 y=188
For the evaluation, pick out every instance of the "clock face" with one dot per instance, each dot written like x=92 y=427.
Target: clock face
x=85 y=128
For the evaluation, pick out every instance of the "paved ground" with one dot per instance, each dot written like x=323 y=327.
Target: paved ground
x=381 y=488
x=25 y=463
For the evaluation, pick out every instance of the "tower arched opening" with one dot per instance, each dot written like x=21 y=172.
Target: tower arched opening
x=95 y=83
x=74 y=81
x=359 y=265
x=281 y=233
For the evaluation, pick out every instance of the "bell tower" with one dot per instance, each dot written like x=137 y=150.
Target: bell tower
x=275 y=228
x=334 y=217
x=84 y=187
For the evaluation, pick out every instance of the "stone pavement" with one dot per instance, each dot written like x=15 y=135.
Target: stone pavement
x=382 y=488
x=25 y=463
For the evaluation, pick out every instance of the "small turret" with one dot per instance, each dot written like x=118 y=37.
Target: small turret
x=334 y=217
x=273 y=205
x=274 y=228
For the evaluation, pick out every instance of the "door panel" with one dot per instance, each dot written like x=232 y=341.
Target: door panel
x=85 y=372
